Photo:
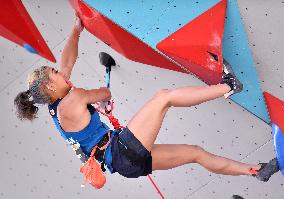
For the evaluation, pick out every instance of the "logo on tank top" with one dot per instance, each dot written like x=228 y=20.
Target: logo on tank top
x=52 y=112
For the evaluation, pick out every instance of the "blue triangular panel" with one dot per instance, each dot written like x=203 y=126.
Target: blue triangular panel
x=237 y=52
x=137 y=17
x=151 y=21
x=176 y=16
x=278 y=138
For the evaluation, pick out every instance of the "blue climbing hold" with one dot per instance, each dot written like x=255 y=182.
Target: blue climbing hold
x=29 y=48
x=278 y=138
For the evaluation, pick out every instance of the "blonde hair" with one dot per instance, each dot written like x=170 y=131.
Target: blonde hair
x=36 y=81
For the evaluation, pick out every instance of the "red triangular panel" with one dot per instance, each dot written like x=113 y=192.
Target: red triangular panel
x=119 y=39
x=17 y=26
x=276 y=110
x=197 y=43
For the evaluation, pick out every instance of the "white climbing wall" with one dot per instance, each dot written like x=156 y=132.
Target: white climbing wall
x=36 y=163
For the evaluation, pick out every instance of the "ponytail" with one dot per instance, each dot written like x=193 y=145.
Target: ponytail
x=26 y=110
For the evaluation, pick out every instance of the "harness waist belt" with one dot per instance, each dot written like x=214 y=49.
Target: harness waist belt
x=99 y=154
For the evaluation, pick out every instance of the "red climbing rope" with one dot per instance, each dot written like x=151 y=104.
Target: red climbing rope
x=154 y=184
x=108 y=113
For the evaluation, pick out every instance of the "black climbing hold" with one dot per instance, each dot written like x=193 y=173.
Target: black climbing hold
x=106 y=59
x=237 y=197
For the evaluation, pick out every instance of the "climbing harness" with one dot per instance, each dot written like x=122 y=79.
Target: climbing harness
x=93 y=174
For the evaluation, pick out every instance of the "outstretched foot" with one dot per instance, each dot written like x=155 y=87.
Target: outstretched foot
x=267 y=170
x=230 y=79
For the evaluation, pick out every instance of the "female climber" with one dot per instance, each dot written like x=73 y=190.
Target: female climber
x=132 y=151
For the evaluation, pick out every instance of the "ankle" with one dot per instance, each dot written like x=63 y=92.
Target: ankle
x=226 y=87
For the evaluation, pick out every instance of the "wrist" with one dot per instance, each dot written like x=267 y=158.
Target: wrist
x=78 y=26
x=76 y=31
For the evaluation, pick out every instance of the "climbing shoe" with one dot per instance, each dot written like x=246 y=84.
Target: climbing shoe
x=267 y=170
x=230 y=79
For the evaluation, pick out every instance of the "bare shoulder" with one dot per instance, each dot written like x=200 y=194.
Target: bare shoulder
x=72 y=104
x=73 y=114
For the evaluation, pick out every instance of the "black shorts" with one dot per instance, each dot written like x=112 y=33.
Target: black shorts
x=129 y=157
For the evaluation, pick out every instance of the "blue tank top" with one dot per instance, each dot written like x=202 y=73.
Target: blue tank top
x=87 y=137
